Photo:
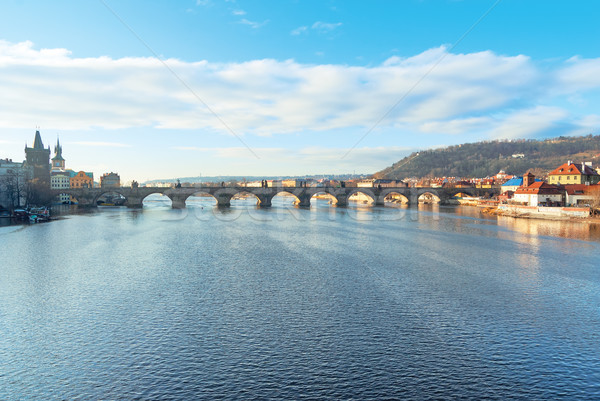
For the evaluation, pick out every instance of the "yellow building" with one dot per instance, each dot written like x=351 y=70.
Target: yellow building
x=574 y=173
x=82 y=180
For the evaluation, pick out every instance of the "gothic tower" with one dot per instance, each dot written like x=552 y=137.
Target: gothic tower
x=58 y=163
x=38 y=160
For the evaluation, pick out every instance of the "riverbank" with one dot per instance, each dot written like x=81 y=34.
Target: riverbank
x=544 y=212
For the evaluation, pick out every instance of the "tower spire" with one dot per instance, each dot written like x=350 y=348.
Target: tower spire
x=58 y=163
x=37 y=143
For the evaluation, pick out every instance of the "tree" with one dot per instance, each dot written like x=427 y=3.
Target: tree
x=38 y=193
x=594 y=193
x=13 y=188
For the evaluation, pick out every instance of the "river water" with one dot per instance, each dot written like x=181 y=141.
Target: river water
x=284 y=303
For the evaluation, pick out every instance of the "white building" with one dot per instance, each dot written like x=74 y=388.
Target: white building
x=539 y=194
x=61 y=181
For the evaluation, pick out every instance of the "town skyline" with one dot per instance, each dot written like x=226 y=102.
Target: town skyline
x=293 y=88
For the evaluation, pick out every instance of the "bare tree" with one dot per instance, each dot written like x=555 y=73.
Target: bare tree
x=593 y=192
x=38 y=193
x=13 y=188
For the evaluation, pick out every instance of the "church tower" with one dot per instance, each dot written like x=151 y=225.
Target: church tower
x=38 y=160
x=58 y=163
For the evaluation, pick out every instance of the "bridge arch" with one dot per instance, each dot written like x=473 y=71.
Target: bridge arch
x=201 y=199
x=362 y=195
x=322 y=195
x=110 y=197
x=285 y=197
x=157 y=200
x=429 y=197
x=395 y=197
x=106 y=191
x=245 y=198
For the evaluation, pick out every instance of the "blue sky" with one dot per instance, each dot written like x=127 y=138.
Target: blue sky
x=289 y=87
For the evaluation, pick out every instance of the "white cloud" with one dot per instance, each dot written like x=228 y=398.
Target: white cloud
x=300 y=30
x=484 y=92
x=238 y=12
x=253 y=24
x=528 y=122
x=579 y=75
x=325 y=26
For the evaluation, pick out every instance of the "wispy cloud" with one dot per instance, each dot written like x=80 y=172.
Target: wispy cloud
x=253 y=24
x=319 y=27
x=325 y=27
x=102 y=144
x=300 y=30
x=238 y=12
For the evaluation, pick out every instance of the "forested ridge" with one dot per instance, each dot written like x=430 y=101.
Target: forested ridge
x=483 y=159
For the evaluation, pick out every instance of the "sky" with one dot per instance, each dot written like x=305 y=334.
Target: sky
x=167 y=89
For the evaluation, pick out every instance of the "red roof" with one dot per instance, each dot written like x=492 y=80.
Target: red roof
x=577 y=189
x=539 y=188
x=574 y=168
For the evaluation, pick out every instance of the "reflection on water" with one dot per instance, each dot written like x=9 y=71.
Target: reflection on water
x=581 y=230
x=530 y=229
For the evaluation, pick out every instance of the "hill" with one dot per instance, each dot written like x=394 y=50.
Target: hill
x=483 y=159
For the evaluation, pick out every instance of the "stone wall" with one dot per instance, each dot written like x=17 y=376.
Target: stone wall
x=544 y=211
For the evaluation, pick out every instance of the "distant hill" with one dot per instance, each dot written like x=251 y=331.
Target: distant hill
x=483 y=159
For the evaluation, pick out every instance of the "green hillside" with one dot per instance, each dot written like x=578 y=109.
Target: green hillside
x=483 y=159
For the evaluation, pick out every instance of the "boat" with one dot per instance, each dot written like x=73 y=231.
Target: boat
x=38 y=214
x=20 y=214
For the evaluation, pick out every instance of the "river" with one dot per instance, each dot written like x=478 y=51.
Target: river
x=285 y=303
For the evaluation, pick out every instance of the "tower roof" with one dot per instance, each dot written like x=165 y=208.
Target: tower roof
x=37 y=143
x=57 y=151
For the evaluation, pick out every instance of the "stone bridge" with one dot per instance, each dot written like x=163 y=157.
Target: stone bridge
x=223 y=195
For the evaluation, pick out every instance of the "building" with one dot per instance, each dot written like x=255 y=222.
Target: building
x=581 y=194
x=294 y=182
x=538 y=193
x=13 y=184
x=82 y=180
x=368 y=183
x=574 y=173
x=59 y=177
x=274 y=183
x=513 y=184
x=37 y=158
x=58 y=163
x=110 y=180
x=381 y=183
x=61 y=180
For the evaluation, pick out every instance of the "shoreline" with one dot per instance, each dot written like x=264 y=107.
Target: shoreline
x=534 y=214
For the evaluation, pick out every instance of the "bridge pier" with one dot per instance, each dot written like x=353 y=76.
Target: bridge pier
x=264 y=200
x=134 y=202
x=303 y=199
x=177 y=204
x=223 y=200
x=177 y=200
